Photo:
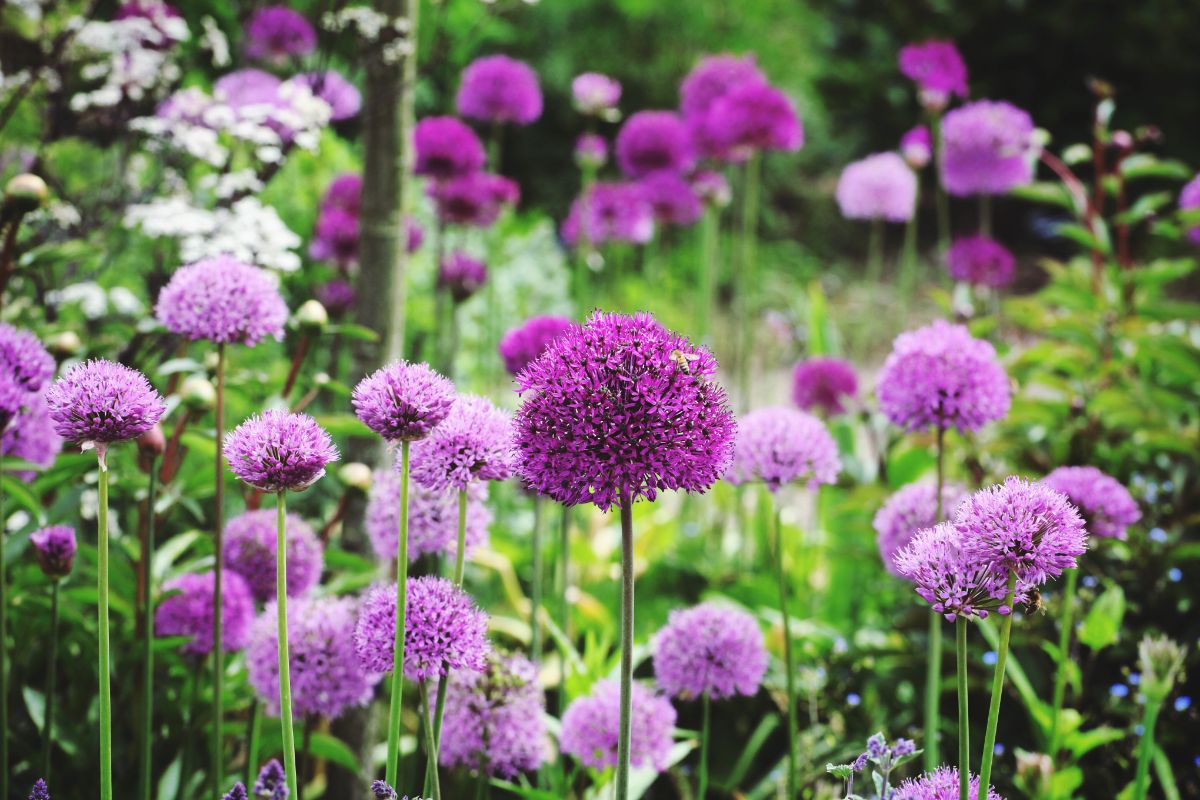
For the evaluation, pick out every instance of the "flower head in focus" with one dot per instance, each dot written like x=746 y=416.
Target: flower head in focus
x=101 y=401
x=941 y=784
x=953 y=580
x=276 y=451
x=222 y=300
x=403 y=401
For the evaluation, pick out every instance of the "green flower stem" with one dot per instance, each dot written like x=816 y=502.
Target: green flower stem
x=964 y=719
x=584 y=246
x=624 y=732
x=431 y=747
x=942 y=201
x=989 y=736
x=748 y=278
x=1064 y=647
x=790 y=678
x=393 y=750
x=439 y=703
x=706 y=702
x=710 y=245
x=875 y=252
x=217 y=779
x=1141 y=780
x=285 y=678
x=985 y=215
x=51 y=688
x=253 y=736
x=535 y=589
x=106 y=785
x=908 y=259
x=3 y=648
x=564 y=607
x=933 y=655
x=146 y=738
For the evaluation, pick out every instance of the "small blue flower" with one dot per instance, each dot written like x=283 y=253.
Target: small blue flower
x=1183 y=703
x=1090 y=581
x=853 y=700
x=1139 y=730
x=989 y=657
x=998 y=750
x=1175 y=574
x=1158 y=535
x=1135 y=678
x=1119 y=690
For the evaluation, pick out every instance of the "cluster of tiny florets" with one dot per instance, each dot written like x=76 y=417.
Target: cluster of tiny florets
x=910 y=510
x=590 y=727
x=1106 y=505
x=102 y=401
x=187 y=610
x=709 y=650
x=224 y=301
x=403 y=401
x=432 y=517
x=827 y=385
x=250 y=547
x=277 y=451
x=473 y=443
x=779 y=446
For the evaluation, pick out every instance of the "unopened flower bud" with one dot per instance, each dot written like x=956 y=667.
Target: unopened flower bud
x=152 y=442
x=65 y=344
x=24 y=193
x=1161 y=660
x=198 y=393
x=55 y=550
x=356 y=475
x=312 y=317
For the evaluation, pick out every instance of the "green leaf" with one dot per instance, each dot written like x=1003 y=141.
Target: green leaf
x=1081 y=743
x=1166 y=776
x=343 y=425
x=333 y=749
x=35 y=704
x=360 y=332
x=1045 y=192
x=1102 y=626
x=1144 y=165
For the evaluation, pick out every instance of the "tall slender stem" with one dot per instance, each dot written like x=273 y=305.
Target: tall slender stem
x=3 y=641
x=147 y=720
x=706 y=704
x=285 y=678
x=439 y=703
x=1141 y=780
x=933 y=655
x=942 y=202
x=985 y=215
x=748 y=278
x=106 y=786
x=535 y=588
x=964 y=718
x=1064 y=647
x=431 y=747
x=989 y=735
x=253 y=735
x=218 y=651
x=710 y=243
x=908 y=258
x=624 y=735
x=875 y=252
x=393 y=751
x=564 y=584
x=51 y=683
x=788 y=672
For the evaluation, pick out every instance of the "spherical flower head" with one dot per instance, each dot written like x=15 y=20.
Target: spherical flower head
x=1107 y=507
x=522 y=344
x=712 y=188
x=446 y=148
x=940 y=376
x=499 y=89
x=750 y=118
x=276 y=451
x=941 y=784
x=781 y=445
x=55 y=550
x=712 y=78
x=403 y=401
x=824 y=384
x=916 y=147
x=936 y=67
x=344 y=192
x=250 y=547
x=335 y=237
x=591 y=151
x=619 y=409
x=651 y=141
x=444 y=630
x=326 y=675
x=102 y=401
x=591 y=724
x=594 y=94
x=277 y=33
x=610 y=212
x=271 y=783
x=342 y=97
x=709 y=650
x=475 y=199
x=247 y=87
x=414 y=234
x=25 y=366
x=432 y=518
x=910 y=510
x=881 y=186
x=187 y=610
x=1189 y=198
x=987 y=148
x=461 y=275
x=672 y=198
x=337 y=296
x=222 y=300
x=30 y=436
x=474 y=443
x=981 y=261
x=952 y=579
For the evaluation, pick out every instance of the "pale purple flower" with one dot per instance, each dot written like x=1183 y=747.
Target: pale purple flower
x=712 y=78
x=25 y=366
x=187 y=610
x=475 y=199
x=824 y=384
x=276 y=451
x=1189 y=199
x=499 y=89
x=446 y=148
x=461 y=275
x=937 y=68
x=910 y=510
x=980 y=261
x=343 y=97
x=432 y=518
x=250 y=547
x=224 y=301
x=591 y=151
x=952 y=579
x=473 y=443
x=782 y=445
x=709 y=650
x=1107 y=507
x=238 y=792
x=595 y=94
x=337 y=296
x=55 y=550
x=414 y=234
x=610 y=212
x=880 y=186
x=651 y=141
x=916 y=147
x=590 y=727
x=987 y=148
x=30 y=436
x=522 y=344
x=750 y=118
x=403 y=401
x=276 y=33
x=712 y=188
x=671 y=197
x=941 y=784
x=247 y=87
x=102 y=401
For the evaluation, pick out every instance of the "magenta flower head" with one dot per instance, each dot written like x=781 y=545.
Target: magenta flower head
x=941 y=784
x=709 y=650
x=671 y=197
x=444 y=630
x=825 y=384
x=30 y=436
x=916 y=147
x=910 y=510
x=987 y=148
x=595 y=95
x=276 y=451
x=712 y=188
x=1189 y=199
x=187 y=610
x=781 y=445
x=101 y=401
x=403 y=402
x=522 y=344
x=591 y=151
x=337 y=296
x=980 y=261
x=345 y=193
x=611 y=212
x=461 y=275
x=651 y=141
x=950 y=578
x=277 y=33
x=475 y=199
x=712 y=78
x=446 y=148
x=55 y=550
x=621 y=408
x=474 y=443
x=938 y=70
x=1107 y=507
x=249 y=549
x=335 y=237
x=224 y=301
x=343 y=97
x=499 y=89
x=25 y=366
x=940 y=376
x=750 y=118
x=432 y=518
x=881 y=186
x=590 y=726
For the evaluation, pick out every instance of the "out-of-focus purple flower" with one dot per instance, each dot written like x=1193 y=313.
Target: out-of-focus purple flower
x=250 y=546
x=949 y=577
x=414 y=234
x=1107 y=507
x=473 y=443
x=981 y=261
x=222 y=300
x=276 y=451
x=712 y=78
x=446 y=148
x=382 y=791
x=825 y=384
x=591 y=151
x=910 y=510
x=30 y=436
x=101 y=401
x=271 y=783
x=881 y=186
x=186 y=105
x=610 y=212
x=475 y=199
x=594 y=94
x=590 y=727
x=335 y=237
x=247 y=87
x=337 y=296
x=671 y=197
x=499 y=89
x=238 y=792
x=712 y=188
x=345 y=193
x=187 y=610
x=941 y=784
x=916 y=147
x=782 y=445
x=403 y=401
x=55 y=550
x=709 y=650
x=277 y=33
x=432 y=518
x=25 y=366
x=522 y=344
x=653 y=141
x=750 y=118
x=461 y=275
x=39 y=791
x=1189 y=198
x=938 y=70
x=987 y=148
x=343 y=97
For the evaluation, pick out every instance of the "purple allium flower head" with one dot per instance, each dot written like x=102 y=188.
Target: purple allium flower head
x=783 y=445
x=521 y=345
x=621 y=408
x=224 y=301
x=941 y=376
x=671 y=197
x=335 y=237
x=444 y=630
x=916 y=147
x=343 y=97
x=276 y=451
x=461 y=275
x=55 y=550
x=276 y=33
x=610 y=212
x=337 y=296
x=987 y=148
x=981 y=261
x=250 y=544
x=39 y=791
x=327 y=677
x=238 y=792
x=712 y=188
x=1029 y=528
x=271 y=783
x=494 y=718
x=826 y=384
x=937 y=68
x=474 y=443
x=590 y=726
x=749 y=118
x=475 y=199
x=25 y=366
x=247 y=87
x=403 y=401
x=941 y=784
x=594 y=94
x=30 y=436
x=950 y=578
x=432 y=517
x=344 y=192
x=414 y=234
x=881 y=186
x=102 y=401
x=1189 y=198
x=910 y=510
x=1107 y=507
x=446 y=148
x=591 y=151
x=709 y=650
x=187 y=610
x=499 y=89
x=651 y=141
x=712 y=78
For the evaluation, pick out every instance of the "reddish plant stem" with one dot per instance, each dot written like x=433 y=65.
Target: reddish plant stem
x=297 y=362
x=173 y=456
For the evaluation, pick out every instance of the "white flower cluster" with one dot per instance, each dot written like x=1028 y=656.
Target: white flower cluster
x=214 y=41
x=95 y=302
x=371 y=26
x=135 y=58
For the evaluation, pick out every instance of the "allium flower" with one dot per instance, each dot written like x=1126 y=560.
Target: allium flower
x=276 y=33
x=610 y=212
x=522 y=344
x=622 y=408
x=403 y=401
x=980 y=261
x=751 y=117
x=344 y=192
x=337 y=296
x=444 y=630
x=39 y=792
x=916 y=147
x=499 y=89
x=25 y=366
x=987 y=148
x=651 y=141
x=271 y=783
x=672 y=198
x=224 y=301
x=343 y=97
x=590 y=726
x=937 y=68
x=712 y=78
x=941 y=784
x=55 y=550
x=247 y=87
x=783 y=445
x=250 y=545
x=446 y=148
x=279 y=452
x=326 y=675
x=31 y=436
x=591 y=151
x=187 y=610
x=826 y=384
x=494 y=719
x=101 y=401
x=951 y=579
x=461 y=275
x=940 y=376
x=881 y=186
x=1107 y=507
x=595 y=94
x=909 y=511
x=474 y=443
x=475 y=199
x=432 y=518
x=335 y=237
x=1189 y=198
x=709 y=649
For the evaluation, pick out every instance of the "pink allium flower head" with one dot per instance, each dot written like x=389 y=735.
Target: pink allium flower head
x=782 y=445
x=101 y=401
x=432 y=518
x=31 y=436
x=277 y=33
x=611 y=212
x=1107 y=507
x=25 y=366
x=444 y=630
x=941 y=376
x=987 y=148
x=591 y=151
x=250 y=546
x=335 y=237
x=55 y=550
x=671 y=197
x=337 y=296
x=326 y=675
x=276 y=451
x=1189 y=198
x=651 y=141
x=591 y=724
x=1029 y=528
x=247 y=87
x=981 y=261
x=403 y=401
x=461 y=275
x=824 y=384
x=224 y=301
x=521 y=345
x=474 y=443
x=343 y=97
x=941 y=784
x=950 y=578
x=910 y=510
x=187 y=610
x=881 y=186
x=446 y=148
x=749 y=118
x=916 y=147
x=621 y=408
x=499 y=89
x=344 y=193
x=709 y=650
x=594 y=94
x=414 y=234
x=937 y=68
x=712 y=188
x=712 y=78
x=475 y=199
